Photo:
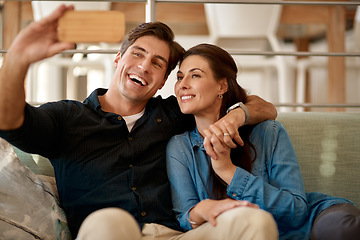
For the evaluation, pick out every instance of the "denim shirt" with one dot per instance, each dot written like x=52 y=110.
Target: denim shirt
x=275 y=183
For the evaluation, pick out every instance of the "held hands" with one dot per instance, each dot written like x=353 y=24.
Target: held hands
x=39 y=40
x=226 y=131
x=208 y=210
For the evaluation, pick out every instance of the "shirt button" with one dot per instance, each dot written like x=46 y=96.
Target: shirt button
x=158 y=120
x=234 y=194
x=130 y=139
x=143 y=214
x=133 y=188
x=119 y=118
x=130 y=165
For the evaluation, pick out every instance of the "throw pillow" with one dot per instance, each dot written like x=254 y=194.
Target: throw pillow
x=29 y=208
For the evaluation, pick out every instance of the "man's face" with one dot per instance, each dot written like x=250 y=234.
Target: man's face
x=140 y=72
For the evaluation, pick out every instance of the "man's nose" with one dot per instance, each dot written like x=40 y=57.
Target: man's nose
x=145 y=65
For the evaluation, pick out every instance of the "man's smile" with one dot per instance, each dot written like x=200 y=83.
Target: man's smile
x=138 y=80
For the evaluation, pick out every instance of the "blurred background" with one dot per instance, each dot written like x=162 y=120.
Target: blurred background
x=284 y=80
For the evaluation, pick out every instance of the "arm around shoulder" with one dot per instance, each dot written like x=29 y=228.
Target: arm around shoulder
x=259 y=110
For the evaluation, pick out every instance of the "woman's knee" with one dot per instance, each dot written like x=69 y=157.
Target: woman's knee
x=265 y=222
x=257 y=222
x=109 y=223
x=340 y=221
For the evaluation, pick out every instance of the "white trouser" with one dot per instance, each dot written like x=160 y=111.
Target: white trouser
x=242 y=223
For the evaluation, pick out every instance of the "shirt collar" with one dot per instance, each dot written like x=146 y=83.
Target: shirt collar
x=93 y=99
x=196 y=139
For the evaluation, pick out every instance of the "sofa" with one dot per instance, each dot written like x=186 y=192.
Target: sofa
x=327 y=146
x=328 y=151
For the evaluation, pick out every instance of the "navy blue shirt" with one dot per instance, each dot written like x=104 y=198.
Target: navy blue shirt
x=98 y=163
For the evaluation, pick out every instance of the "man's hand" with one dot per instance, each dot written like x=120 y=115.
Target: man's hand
x=208 y=210
x=35 y=42
x=39 y=40
x=226 y=128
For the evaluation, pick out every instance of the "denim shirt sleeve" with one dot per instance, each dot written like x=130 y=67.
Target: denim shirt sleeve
x=183 y=190
x=275 y=183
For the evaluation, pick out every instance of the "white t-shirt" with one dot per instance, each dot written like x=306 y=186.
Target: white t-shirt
x=131 y=120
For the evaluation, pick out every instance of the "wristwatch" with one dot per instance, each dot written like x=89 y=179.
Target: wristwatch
x=243 y=107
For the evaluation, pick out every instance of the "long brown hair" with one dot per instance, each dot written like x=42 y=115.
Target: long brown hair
x=223 y=66
x=161 y=31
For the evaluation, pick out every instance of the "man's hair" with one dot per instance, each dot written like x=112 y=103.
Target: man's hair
x=161 y=31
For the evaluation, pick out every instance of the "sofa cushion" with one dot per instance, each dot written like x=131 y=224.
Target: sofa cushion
x=29 y=208
x=327 y=147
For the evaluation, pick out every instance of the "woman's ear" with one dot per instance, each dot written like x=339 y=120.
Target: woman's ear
x=223 y=86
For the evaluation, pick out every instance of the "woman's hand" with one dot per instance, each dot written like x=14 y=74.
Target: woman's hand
x=225 y=130
x=208 y=210
x=222 y=165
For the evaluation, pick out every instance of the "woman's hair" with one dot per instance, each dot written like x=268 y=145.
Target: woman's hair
x=162 y=32
x=223 y=66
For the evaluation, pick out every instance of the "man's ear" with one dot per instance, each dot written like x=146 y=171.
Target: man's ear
x=117 y=58
x=223 y=86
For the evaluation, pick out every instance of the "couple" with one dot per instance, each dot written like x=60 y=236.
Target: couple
x=108 y=152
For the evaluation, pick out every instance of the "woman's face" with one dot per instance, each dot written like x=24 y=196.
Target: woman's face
x=196 y=89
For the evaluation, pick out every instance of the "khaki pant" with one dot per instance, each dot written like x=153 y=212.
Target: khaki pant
x=242 y=223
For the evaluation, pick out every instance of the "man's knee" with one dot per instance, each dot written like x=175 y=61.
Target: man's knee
x=109 y=223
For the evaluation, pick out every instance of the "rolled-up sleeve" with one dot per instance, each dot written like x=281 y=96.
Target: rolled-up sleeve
x=276 y=183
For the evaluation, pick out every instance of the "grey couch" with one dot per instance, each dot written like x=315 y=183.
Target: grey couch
x=327 y=146
x=328 y=150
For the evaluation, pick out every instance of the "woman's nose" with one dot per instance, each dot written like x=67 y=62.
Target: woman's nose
x=184 y=83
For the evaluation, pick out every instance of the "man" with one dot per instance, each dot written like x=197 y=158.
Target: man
x=109 y=151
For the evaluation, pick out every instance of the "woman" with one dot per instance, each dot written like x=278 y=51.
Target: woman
x=265 y=171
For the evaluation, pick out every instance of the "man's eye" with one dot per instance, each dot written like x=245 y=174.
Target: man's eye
x=158 y=65
x=137 y=54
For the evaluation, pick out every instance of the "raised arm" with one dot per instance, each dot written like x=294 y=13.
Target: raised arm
x=34 y=43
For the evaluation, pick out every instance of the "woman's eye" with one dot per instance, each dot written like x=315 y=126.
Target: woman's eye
x=179 y=78
x=195 y=76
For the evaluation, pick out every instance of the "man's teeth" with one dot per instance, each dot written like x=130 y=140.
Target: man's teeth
x=137 y=79
x=186 y=97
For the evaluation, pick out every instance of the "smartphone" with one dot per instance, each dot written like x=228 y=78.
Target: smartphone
x=92 y=26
